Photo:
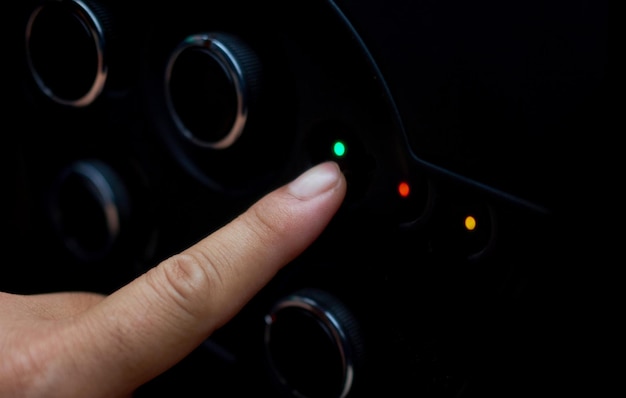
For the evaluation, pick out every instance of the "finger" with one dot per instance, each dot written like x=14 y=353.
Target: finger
x=152 y=323
x=46 y=306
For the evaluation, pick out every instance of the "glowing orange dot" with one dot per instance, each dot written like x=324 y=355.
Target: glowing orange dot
x=470 y=223
x=404 y=189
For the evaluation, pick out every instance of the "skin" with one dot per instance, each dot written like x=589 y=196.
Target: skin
x=75 y=344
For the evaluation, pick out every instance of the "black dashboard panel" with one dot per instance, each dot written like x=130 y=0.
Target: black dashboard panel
x=464 y=126
x=489 y=90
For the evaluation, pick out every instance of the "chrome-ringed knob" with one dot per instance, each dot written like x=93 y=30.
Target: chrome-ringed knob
x=65 y=50
x=313 y=345
x=89 y=206
x=211 y=81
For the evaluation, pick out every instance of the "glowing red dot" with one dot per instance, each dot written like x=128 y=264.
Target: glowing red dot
x=404 y=189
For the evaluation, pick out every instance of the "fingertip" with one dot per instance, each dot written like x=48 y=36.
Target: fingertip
x=317 y=180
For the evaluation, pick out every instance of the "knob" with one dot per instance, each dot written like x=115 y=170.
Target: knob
x=211 y=84
x=89 y=205
x=66 y=50
x=313 y=345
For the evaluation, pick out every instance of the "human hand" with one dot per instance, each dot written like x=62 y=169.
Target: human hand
x=75 y=344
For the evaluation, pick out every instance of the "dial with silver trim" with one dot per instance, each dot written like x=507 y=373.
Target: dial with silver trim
x=211 y=83
x=66 y=48
x=313 y=345
x=89 y=205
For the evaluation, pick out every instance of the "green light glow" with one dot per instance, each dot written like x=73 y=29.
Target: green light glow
x=339 y=149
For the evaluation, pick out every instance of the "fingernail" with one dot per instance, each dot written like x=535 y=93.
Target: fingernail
x=315 y=181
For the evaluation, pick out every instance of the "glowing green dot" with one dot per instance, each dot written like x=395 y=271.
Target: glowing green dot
x=339 y=149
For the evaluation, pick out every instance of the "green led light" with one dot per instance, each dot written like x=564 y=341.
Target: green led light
x=339 y=149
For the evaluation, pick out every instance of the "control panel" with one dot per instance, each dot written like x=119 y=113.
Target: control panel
x=148 y=126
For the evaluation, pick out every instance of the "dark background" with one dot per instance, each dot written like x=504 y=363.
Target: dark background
x=496 y=107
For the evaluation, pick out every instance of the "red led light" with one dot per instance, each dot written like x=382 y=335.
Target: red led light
x=404 y=189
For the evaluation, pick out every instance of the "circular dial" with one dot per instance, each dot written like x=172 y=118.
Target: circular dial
x=313 y=345
x=89 y=205
x=211 y=81
x=65 y=50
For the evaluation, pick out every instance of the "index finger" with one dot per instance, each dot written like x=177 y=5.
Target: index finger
x=152 y=323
